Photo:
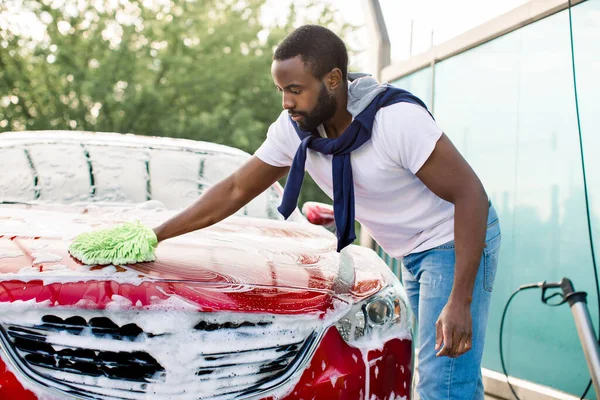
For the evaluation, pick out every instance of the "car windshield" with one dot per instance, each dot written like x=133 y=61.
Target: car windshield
x=69 y=172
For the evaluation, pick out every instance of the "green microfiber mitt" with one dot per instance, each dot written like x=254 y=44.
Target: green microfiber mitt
x=128 y=243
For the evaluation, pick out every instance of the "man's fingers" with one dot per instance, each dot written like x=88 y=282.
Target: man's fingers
x=463 y=346
x=454 y=345
x=448 y=342
x=460 y=346
x=467 y=344
x=438 y=334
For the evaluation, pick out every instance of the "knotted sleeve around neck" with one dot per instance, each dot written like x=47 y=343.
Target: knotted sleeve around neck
x=358 y=133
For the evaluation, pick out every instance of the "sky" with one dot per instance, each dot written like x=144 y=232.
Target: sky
x=445 y=18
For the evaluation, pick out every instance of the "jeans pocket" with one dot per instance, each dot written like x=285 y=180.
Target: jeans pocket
x=490 y=262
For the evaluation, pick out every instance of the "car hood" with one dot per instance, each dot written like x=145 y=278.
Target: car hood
x=233 y=255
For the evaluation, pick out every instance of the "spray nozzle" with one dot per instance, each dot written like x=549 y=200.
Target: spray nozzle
x=565 y=285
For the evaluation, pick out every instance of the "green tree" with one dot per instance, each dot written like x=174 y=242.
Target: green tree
x=188 y=69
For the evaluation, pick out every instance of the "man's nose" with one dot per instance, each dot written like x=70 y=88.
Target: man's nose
x=288 y=102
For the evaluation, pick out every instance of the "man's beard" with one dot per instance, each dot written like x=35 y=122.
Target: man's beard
x=323 y=111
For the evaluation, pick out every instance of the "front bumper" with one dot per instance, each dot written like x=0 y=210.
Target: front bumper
x=335 y=371
x=338 y=371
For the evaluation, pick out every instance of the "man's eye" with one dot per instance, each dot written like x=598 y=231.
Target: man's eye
x=296 y=91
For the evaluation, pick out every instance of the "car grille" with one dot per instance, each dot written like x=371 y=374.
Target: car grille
x=97 y=358
x=32 y=344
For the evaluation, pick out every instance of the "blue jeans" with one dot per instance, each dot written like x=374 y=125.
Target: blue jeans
x=428 y=277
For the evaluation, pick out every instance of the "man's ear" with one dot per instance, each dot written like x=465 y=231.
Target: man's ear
x=334 y=78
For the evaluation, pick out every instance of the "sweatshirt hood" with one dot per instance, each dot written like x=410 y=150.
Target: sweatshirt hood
x=362 y=91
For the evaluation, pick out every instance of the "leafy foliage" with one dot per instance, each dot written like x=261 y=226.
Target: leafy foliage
x=189 y=69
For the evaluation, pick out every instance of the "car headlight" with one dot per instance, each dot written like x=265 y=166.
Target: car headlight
x=385 y=313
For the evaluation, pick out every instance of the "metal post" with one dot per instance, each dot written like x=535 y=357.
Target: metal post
x=588 y=341
x=412 y=32
x=432 y=105
x=381 y=54
x=585 y=330
x=431 y=38
x=381 y=49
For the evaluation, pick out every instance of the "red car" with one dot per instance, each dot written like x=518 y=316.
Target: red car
x=251 y=308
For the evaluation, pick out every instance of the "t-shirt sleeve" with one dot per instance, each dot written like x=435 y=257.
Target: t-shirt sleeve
x=409 y=134
x=277 y=149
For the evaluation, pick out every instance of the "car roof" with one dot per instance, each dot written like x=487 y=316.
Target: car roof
x=116 y=139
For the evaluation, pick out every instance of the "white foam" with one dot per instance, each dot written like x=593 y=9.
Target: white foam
x=10 y=253
x=365 y=355
x=42 y=257
x=393 y=396
x=60 y=273
x=56 y=267
x=333 y=379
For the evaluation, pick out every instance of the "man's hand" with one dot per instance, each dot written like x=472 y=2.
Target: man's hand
x=454 y=329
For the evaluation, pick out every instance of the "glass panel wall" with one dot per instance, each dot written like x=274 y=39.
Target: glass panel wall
x=509 y=107
x=586 y=31
x=418 y=83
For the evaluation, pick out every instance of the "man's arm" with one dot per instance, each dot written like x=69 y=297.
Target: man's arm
x=223 y=199
x=449 y=176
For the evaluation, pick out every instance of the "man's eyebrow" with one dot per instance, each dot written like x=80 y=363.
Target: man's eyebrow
x=290 y=86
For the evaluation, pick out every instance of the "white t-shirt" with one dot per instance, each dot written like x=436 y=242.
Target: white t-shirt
x=391 y=203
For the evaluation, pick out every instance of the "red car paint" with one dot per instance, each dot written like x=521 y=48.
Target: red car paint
x=208 y=299
x=10 y=387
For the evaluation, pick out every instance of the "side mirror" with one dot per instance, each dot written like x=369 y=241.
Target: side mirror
x=319 y=214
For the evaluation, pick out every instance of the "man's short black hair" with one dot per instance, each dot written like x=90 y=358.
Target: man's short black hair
x=318 y=47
